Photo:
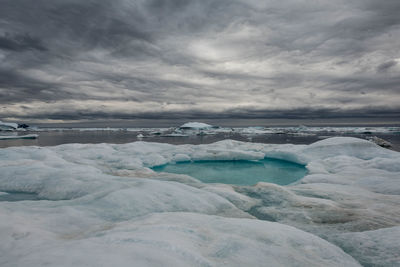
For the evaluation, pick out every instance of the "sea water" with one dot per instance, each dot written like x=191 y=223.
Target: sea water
x=240 y=172
x=52 y=137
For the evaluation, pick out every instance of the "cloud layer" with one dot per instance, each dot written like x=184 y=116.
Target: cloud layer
x=126 y=59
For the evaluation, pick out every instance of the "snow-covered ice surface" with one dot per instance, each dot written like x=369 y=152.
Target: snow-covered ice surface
x=102 y=205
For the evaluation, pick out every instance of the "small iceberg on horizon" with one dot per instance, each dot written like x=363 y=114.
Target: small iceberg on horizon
x=8 y=126
x=192 y=129
x=196 y=126
x=12 y=126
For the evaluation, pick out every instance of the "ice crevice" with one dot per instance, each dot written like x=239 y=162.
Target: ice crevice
x=102 y=198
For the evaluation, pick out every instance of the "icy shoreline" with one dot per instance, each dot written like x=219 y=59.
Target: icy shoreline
x=103 y=199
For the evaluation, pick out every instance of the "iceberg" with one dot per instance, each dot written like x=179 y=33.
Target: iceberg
x=192 y=129
x=195 y=126
x=105 y=205
x=8 y=126
x=379 y=141
x=12 y=126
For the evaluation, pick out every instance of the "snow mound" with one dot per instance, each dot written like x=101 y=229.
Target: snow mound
x=170 y=239
x=377 y=248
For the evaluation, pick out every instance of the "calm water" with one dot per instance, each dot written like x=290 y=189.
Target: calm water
x=239 y=172
x=51 y=138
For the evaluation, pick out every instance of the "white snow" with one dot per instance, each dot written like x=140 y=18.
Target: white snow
x=164 y=239
x=378 y=246
x=103 y=205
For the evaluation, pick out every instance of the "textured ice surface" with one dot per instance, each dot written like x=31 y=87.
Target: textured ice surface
x=167 y=239
x=105 y=206
x=379 y=246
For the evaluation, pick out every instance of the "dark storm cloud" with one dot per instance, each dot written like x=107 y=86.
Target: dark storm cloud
x=16 y=42
x=15 y=87
x=303 y=113
x=385 y=66
x=72 y=59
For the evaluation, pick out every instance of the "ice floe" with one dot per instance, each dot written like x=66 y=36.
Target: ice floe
x=8 y=126
x=196 y=126
x=379 y=141
x=12 y=126
x=104 y=205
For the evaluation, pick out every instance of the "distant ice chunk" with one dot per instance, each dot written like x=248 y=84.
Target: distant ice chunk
x=196 y=126
x=254 y=131
x=8 y=126
x=379 y=141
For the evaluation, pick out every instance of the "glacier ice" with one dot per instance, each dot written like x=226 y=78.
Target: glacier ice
x=104 y=205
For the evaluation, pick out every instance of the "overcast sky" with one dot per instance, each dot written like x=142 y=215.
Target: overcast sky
x=63 y=60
